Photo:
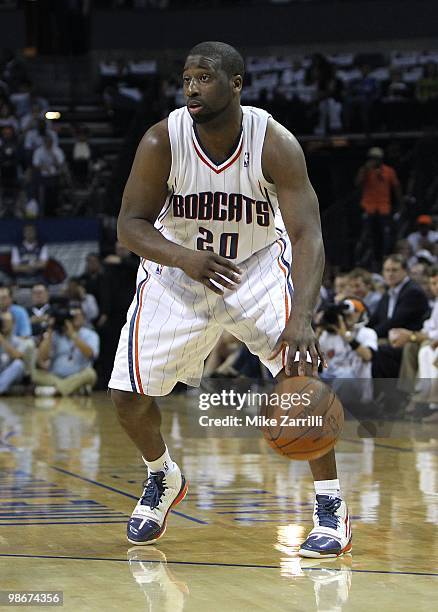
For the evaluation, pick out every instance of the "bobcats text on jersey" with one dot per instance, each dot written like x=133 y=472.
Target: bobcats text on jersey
x=220 y=206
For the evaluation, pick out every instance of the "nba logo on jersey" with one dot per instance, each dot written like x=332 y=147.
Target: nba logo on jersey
x=246 y=160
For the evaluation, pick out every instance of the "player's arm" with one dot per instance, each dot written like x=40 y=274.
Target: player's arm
x=284 y=165
x=143 y=198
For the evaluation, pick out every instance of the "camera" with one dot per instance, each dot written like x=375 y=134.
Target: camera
x=60 y=312
x=330 y=314
x=329 y=319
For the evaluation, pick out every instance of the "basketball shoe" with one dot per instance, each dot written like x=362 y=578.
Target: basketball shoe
x=161 y=492
x=331 y=533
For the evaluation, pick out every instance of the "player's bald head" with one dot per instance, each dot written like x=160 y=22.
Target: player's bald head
x=229 y=58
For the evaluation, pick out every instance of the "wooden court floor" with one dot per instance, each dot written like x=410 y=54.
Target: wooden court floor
x=69 y=479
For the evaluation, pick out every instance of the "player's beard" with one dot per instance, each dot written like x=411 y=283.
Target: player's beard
x=209 y=115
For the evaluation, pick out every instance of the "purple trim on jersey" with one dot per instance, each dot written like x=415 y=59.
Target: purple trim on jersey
x=164 y=212
x=131 y=335
x=269 y=202
x=288 y=267
x=218 y=168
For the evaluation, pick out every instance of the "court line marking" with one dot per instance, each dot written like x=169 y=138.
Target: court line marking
x=104 y=486
x=212 y=564
x=386 y=446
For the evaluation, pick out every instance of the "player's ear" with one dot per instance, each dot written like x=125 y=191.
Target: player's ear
x=237 y=83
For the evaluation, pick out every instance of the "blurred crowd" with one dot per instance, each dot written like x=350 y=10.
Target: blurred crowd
x=319 y=94
x=378 y=331
x=375 y=322
x=332 y=94
x=51 y=335
x=37 y=176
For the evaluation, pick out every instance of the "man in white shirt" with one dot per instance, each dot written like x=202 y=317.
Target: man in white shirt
x=360 y=285
x=48 y=157
x=29 y=258
x=425 y=233
x=349 y=348
x=34 y=137
x=419 y=369
x=48 y=162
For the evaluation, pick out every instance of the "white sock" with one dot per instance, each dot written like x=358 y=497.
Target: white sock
x=328 y=487
x=162 y=464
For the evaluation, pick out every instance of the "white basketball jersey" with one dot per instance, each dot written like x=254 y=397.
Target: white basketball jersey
x=229 y=208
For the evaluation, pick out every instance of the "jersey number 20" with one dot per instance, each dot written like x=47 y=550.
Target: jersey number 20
x=227 y=243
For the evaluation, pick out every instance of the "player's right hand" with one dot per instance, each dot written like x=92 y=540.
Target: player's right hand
x=206 y=266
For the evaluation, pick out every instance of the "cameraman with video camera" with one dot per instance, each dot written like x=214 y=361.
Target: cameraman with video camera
x=348 y=345
x=66 y=354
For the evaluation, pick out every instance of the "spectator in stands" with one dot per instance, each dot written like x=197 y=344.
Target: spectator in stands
x=329 y=96
x=395 y=101
x=403 y=247
x=39 y=311
x=378 y=183
x=13 y=69
x=426 y=93
x=420 y=352
x=221 y=360
x=404 y=304
x=81 y=155
x=340 y=285
x=65 y=357
x=25 y=98
x=396 y=89
x=10 y=168
x=92 y=278
x=360 y=100
x=419 y=272
x=120 y=272
x=349 y=346
x=12 y=366
x=48 y=163
x=29 y=258
x=7 y=117
x=21 y=319
x=75 y=292
x=35 y=136
x=423 y=174
x=360 y=285
x=30 y=120
x=424 y=233
x=326 y=292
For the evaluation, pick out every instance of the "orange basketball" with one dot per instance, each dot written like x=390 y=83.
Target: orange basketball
x=302 y=418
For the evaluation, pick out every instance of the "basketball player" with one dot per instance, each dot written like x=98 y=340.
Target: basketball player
x=216 y=195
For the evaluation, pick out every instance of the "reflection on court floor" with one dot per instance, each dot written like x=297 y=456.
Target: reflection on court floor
x=70 y=477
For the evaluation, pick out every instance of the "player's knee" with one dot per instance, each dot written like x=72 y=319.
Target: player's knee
x=129 y=405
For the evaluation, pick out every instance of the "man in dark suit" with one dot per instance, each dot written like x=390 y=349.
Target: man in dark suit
x=404 y=304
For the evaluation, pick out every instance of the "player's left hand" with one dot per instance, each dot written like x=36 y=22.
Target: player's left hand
x=299 y=336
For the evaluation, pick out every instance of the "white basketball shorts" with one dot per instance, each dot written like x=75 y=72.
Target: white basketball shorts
x=174 y=322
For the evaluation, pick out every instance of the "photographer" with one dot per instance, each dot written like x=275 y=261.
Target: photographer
x=12 y=366
x=66 y=354
x=348 y=345
x=75 y=292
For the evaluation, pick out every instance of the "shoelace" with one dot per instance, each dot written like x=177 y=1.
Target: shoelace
x=154 y=488
x=325 y=509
